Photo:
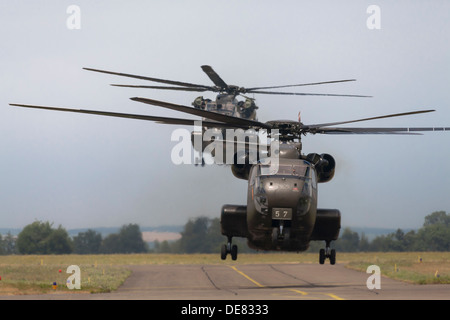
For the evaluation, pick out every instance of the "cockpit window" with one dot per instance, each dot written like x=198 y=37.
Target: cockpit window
x=292 y=170
x=285 y=170
x=226 y=108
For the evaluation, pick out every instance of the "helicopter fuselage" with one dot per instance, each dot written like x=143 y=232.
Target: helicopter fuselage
x=281 y=212
x=281 y=207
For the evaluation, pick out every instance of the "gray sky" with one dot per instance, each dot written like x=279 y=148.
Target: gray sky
x=89 y=171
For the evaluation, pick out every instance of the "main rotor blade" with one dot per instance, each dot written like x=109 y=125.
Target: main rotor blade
x=372 y=130
x=301 y=84
x=197 y=89
x=315 y=126
x=307 y=94
x=178 y=83
x=164 y=120
x=214 y=77
x=203 y=113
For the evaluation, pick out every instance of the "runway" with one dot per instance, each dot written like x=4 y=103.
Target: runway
x=255 y=282
x=267 y=282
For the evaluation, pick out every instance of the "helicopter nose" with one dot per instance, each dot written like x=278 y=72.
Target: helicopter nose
x=288 y=193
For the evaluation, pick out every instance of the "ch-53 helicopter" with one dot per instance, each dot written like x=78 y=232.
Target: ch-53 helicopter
x=226 y=101
x=281 y=211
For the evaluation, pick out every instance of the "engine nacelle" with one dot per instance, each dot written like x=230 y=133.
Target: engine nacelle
x=325 y=166
x=241 y=166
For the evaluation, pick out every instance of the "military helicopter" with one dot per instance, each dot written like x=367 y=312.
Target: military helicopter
x=225 y=103
x=281 y=212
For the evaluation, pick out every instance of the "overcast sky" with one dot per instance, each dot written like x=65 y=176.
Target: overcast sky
x=90 y=171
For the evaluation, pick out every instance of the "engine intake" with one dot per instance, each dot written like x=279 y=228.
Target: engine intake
x=241 y=166
x=325 y=166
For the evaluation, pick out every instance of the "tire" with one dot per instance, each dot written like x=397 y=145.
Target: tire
x=333 y=256
x=223 y=252
x=234 y=252
x=322 y=256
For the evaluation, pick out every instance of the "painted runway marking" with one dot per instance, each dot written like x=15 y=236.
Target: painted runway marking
x=303 y=293
x=246 y=276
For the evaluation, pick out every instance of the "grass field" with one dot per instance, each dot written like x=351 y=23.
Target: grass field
x=33 y=274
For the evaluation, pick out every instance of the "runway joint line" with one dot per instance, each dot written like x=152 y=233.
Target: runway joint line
x=303 y=293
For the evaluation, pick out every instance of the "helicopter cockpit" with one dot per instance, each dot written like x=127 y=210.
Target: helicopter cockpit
x=224 y=104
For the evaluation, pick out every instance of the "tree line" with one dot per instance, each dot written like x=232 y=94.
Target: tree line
x=433 y=236
x=41 y=238
x=202 y=235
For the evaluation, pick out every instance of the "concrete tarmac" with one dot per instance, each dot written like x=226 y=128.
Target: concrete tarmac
x=254 y=282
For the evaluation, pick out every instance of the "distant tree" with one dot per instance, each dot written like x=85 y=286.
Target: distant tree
x=128 y=240
x=111 y=244
x=410 y=241
x=193 y=237
x=203 y=235
x=364 y=243
x=216 y=239
x=2 y=246
x=39 y=238
x=435 y=233
x=131 y=239
x=88 y=242
x=9 y=244
x=348 y=241
x=434 y=237
x=437 y=217
x=162 y=247
x=59 y=241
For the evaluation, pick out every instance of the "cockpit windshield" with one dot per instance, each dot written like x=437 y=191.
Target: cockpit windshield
x=227 y=108
x=301 y=170
x=292 y=170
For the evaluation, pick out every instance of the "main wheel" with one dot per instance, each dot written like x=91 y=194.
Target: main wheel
x=223 y=252
x=234 y=252
x=333 y=256
x=322 y=256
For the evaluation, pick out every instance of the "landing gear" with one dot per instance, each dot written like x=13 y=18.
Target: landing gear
x=196 y=162
x=280 y=233
x=327 y=253
x=229 y=248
